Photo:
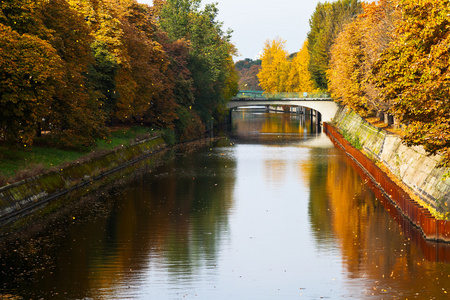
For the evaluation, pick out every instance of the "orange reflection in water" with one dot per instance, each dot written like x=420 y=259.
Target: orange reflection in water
x=376 y=243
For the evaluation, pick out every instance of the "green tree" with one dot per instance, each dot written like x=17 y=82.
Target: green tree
x=101 y=77
x=326 y=22
x=210 y=51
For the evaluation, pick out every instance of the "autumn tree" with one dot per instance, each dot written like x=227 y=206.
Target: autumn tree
x=23 y=16
x=413 y=73
x=101 y=16
x=131 y=67
x=281 y=72
x=353 y=54
x=178 y=55
x=273 y=64
x=110 y=74
x=78 y=64
x=153 y=101
x=248 y=70
x=76 y=114
x=346 y=74
x=30 y=69
x=299 y=79
x=326 y=22
x=379 y=21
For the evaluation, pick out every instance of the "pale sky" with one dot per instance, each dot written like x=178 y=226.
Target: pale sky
x=255 y=21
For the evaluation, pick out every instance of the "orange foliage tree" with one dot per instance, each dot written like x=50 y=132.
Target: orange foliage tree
x=30 y=70
x=76 y=116
x=346 y=73
x=153 y=101
x=353 y=53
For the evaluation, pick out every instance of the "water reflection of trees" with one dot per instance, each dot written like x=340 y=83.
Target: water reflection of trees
x=174 y=218
x=374 y=243
x=319 y=206
x=171 y=216
x=271 y=127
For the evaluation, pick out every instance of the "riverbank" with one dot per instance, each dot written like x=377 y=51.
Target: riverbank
x=419 y=188
x=29 y=205
x=17 y=164
x=20 y=198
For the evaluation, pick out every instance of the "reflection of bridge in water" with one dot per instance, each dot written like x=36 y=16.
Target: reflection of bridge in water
x=323 y=104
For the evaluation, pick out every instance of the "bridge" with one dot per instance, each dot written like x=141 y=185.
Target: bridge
x=324 y=105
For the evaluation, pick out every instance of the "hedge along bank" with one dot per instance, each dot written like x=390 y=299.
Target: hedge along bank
x=23 y=196
x=411 y=165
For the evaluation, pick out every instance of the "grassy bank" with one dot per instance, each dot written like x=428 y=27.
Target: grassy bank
x=16 y=165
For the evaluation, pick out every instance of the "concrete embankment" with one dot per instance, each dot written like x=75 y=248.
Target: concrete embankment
x=410 y=165
x=21 y=197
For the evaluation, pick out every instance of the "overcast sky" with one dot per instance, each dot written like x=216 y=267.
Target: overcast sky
x=255 y=21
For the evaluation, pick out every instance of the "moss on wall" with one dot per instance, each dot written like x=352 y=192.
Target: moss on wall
x=32 y=192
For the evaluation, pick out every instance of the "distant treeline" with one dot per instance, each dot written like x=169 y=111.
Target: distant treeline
x=248 y=70
x=71 y=67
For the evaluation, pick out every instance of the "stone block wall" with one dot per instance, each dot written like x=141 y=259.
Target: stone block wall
x=411 y=165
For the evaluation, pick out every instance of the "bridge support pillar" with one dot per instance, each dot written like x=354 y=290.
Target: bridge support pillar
x=229 y=119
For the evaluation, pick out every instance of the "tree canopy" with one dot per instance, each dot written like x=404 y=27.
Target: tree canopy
x=413 y=74
x=248 y=70
x=355 y=50
x=394 y=59
x=73 y=66
x=210 y=54
x=281 y=72
x=325 y=24
x=30 y=71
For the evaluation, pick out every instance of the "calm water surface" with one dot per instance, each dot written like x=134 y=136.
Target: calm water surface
x=275 y=212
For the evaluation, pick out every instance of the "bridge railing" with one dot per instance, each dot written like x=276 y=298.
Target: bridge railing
x=263 y=95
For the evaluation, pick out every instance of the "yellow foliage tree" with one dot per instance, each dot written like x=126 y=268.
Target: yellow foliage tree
x=299 y=79
x=346 y=74
x=279 y=73
x=273 y=62
x=102 y=18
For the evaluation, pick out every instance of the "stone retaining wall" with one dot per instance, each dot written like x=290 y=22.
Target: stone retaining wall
x=22 y=196
x=411 y=165
x=418 y=216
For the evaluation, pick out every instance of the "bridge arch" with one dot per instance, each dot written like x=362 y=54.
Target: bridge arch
x=326 y=107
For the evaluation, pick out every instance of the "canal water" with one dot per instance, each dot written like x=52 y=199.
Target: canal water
x=275 y=211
